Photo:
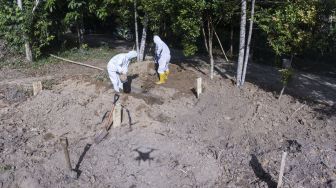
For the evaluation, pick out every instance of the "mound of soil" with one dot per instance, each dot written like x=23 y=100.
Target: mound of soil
x=230 y=137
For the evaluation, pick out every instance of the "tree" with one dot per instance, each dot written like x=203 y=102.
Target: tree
x=244 y=46
x=186 y=17
x=143 y=38
x=211 y=11
x=247 y=53
x=289 y=30
x=324 y=32
x=144 y=19
x=26 y=23
x=229 y=14
x=288 y=26
x=210 y=39
x=136 y=29
x=178 y=19
x=75 y=15
x=29 y=54
x=241 y=43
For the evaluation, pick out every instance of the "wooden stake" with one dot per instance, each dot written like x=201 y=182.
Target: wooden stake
x=220 y=44
x=64 y=143
x=282 y=169
x=37 y=87
x=117 y=115
x=297 y=109
x=77 y=63
x=198 y=86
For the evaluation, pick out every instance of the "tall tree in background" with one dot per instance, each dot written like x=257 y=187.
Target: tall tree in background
x=289 y=30
x=242 y=36
x=247 y=52
x=75 y=16
x=287 y=25
x=244 y=46
x=136 y=29
x=324 y=32
x=28 y=50
x=229 y=14
x=25 y=25
x=187 y=17
x=143 y=38
x=211 y=17
x=210 y=46
x=144 y=21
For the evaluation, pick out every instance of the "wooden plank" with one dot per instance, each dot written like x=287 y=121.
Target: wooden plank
x=64 y=143
x=117 y=115
x=198 y=86
x=77 y=63
x=37 y=87
x=282 y=169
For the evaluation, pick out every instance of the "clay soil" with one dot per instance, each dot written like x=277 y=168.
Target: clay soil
x=229 y=137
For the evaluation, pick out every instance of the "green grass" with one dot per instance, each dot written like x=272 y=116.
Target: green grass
x=5 y=167
x=85 y=54
x=12 y=63
x=82 y=54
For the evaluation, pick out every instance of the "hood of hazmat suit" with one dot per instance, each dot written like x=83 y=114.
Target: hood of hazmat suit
x=157 y=40
x=161 y=49
x=120 y=62
x=131 y=54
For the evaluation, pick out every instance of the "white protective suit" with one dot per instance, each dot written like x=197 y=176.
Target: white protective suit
x=162 y=55
x=119 y=65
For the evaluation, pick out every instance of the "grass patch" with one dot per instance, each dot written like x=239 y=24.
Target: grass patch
x=85 y=54
x=48 y=84
x=5 y=167
x=75 y=54
x=13 y=63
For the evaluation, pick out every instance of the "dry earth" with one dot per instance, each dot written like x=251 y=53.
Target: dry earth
x=230 y=137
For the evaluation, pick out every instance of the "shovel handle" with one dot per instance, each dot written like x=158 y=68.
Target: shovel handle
x=116 y=98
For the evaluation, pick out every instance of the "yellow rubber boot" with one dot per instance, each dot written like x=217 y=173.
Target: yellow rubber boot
x=166 y=74
x=162 y=79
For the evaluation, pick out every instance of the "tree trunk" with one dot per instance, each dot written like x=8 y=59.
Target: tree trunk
x=29 y=53
x=19 y=2
x=28 y=50
x=143 y=39
x=248 y=43
x=241 y=43
x=136 y=30
x=205 y=38
x=210 y=33
x=80 y=33
x=231 y=40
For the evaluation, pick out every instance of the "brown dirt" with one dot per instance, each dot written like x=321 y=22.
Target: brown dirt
x=230 y=137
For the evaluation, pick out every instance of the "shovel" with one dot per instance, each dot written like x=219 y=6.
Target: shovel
x=104 y=132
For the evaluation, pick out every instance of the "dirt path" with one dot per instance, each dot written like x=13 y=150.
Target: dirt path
x=229 y=137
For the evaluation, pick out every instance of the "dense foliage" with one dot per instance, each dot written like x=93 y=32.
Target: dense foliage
x=291 y=27
x=30 y=24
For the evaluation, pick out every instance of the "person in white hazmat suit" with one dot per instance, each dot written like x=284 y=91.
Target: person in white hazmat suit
x=162 y=57
x=119 y=65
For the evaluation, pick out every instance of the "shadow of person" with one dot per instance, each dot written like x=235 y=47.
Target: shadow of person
x=261 y=173
x=193 y=90
x=81 y=158
x=128 y=84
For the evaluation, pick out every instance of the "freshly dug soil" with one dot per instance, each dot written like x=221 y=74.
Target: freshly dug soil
x=229 y=137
